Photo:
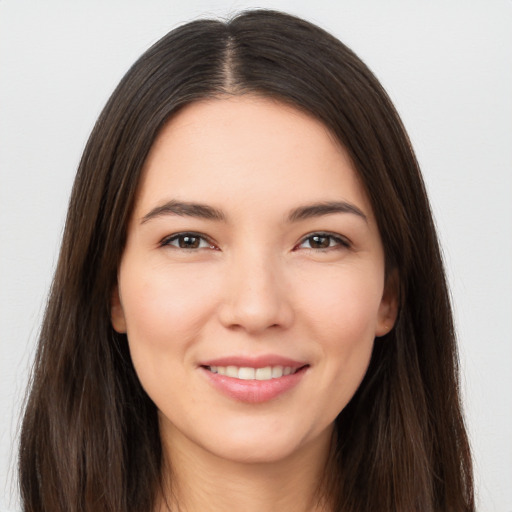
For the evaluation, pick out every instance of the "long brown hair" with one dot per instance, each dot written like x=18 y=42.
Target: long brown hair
x=90 y=439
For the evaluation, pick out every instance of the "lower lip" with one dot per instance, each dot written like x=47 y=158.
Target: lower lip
x=254 y=391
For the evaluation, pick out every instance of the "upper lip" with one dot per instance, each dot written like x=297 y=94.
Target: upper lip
x=254 y=362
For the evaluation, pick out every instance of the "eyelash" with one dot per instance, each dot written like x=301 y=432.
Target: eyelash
x=177 y=236
x=207 y=244
x=339 y=242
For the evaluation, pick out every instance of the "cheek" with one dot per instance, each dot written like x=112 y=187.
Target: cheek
x=164 y=312
x=344 y=303
x=341 y=313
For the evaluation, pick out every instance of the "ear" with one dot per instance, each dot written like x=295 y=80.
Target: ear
x=116 y=312
x=388 y=309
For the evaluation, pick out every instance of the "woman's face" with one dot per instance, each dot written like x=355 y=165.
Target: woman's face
x=252 y=283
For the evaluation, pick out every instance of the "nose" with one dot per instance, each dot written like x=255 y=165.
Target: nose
x=255 y=297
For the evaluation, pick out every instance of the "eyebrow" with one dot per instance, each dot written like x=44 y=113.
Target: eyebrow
x=185 y=209
x=324 y=208
x=204 y=211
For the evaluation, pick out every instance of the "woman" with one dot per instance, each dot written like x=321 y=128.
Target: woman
x=250 y=309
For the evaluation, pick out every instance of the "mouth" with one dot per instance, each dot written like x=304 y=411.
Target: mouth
x=259 y=382
x=250 y=373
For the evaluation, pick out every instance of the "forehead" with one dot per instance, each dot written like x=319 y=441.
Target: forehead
x=248 y=150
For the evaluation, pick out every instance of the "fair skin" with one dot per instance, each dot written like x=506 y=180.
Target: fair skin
x=276 y=280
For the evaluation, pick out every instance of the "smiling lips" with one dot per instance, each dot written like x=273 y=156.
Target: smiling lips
x=248 y=373
x=255 y=380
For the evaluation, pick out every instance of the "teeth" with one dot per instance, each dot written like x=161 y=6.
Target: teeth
x=277 y=371
x=231 y=371
x=263 y=373
x=246 y=373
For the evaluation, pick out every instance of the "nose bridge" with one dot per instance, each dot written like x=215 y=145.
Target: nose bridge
x=255 y=296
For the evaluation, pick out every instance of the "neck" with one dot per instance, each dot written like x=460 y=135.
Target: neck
x=197 y=480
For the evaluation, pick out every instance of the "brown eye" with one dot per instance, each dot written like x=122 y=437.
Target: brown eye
x=319 y=241
x=187 y=241
x=323 y=241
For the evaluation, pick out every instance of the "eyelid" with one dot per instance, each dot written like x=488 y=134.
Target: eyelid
x=165 y=241
x=343 y=241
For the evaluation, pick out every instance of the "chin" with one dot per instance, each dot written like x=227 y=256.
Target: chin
x=254 y=452
x=265 y=447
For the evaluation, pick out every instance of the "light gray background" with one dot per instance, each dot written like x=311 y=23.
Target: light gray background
x=446 y=64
